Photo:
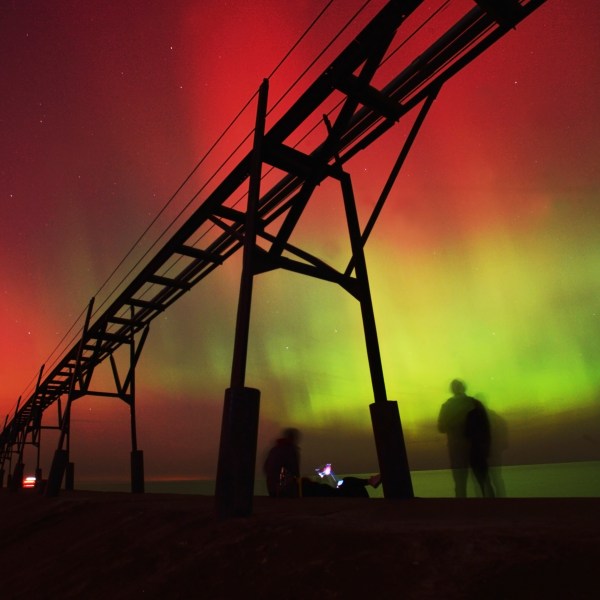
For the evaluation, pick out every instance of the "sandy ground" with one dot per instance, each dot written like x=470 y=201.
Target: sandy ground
x=109 y=545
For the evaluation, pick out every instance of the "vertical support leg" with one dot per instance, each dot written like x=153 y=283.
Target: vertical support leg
x=61 y=465
x=239 y=428
x=9 y=471
x=137 y=456
x=385 y=417
x=38 y=469
x=60 y=462
x=70 y=476
x=17 y=478
x=137 y=472
x=57 y=472
x=37 y=436
x=4 y=456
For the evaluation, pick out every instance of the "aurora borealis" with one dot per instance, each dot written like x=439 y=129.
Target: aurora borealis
x=483 y=265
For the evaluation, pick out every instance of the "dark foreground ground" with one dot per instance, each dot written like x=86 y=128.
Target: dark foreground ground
x=109 y=546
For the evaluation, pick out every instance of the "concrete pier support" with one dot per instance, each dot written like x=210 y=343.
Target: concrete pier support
x=237 y=453
x=137 y=472
x=391 y=450
x=39 y=481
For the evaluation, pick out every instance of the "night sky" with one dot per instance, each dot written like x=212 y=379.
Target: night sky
x=484 y=265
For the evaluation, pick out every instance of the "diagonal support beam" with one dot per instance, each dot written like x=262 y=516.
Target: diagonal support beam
x=389 y=184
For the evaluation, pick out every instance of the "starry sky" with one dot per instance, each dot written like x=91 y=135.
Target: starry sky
x=483 y=266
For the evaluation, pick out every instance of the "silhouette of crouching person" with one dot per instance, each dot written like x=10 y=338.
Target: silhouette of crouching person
x=282 y=466
x=348 y=487
x=282 y=472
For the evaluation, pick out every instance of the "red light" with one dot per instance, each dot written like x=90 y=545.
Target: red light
x=29 y=482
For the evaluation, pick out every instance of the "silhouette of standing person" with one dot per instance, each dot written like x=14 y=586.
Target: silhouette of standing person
x=282 y=465
x=465 y=422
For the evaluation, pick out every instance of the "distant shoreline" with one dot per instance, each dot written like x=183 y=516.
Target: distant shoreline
x=547 y=480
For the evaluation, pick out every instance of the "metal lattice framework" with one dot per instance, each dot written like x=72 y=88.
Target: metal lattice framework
x=365 y=112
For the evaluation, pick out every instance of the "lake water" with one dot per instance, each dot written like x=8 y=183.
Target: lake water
x=578 y=479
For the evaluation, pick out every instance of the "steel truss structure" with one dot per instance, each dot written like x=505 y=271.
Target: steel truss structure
x=262 y=231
